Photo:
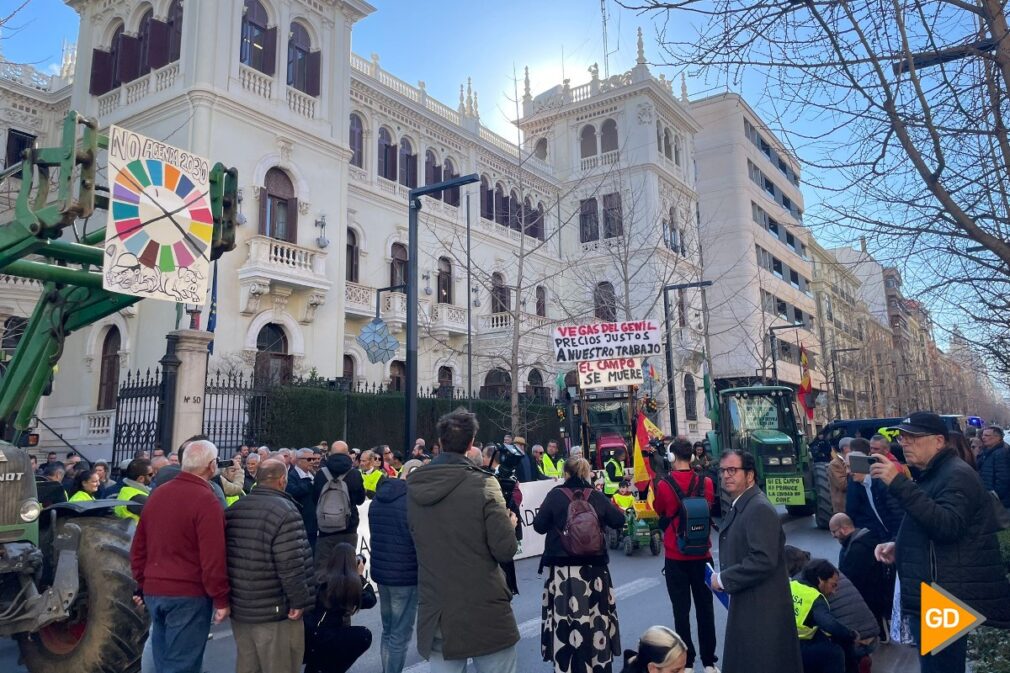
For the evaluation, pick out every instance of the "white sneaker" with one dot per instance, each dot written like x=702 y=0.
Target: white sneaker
x=711 y=669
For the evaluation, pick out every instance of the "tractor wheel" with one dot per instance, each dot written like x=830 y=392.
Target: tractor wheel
x=613 y=538
x=656 y=543
x=105 y=632
x=822 y=487
x=629 y=546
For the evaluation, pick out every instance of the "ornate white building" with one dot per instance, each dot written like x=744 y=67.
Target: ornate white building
x=588 y=217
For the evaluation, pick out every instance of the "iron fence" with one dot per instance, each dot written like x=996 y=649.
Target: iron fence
x=140 y=405
x=234 y=411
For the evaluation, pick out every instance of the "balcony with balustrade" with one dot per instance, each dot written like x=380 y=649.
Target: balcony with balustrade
x=359 y=300
x=143 y=92
x=273 y=264
x=447 y=320
x=394 y=310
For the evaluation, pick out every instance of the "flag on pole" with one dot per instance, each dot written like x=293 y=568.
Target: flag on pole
x=212 y=318
x=806 y=387
x=644 y=431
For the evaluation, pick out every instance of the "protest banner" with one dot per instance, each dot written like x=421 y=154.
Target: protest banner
x=610 y=372
x=600 y=341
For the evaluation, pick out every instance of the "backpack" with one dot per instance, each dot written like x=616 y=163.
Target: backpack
x=694 y=521
x=333 y=511
x=582 y=534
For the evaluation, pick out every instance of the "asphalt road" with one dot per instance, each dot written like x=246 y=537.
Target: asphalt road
x=641 y=602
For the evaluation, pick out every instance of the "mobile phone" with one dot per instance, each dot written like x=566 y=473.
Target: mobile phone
x=861 y=464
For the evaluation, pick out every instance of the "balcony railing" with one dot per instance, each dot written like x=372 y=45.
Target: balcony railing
x=497 y=322
x=301 y=103
x=138 y=89
x=448 y=318
x=359 y=299
x=287 y=263
x=255 y=82
x=98 y=424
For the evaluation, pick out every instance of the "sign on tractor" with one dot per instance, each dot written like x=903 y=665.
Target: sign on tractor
x=610 y=372
x=607 y=340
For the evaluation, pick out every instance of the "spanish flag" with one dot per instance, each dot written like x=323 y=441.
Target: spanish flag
x=644 y=431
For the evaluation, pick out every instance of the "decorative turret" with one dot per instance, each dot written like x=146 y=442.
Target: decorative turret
x=640 y=72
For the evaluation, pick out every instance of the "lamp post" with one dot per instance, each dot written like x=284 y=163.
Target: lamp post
x=669 y=347
x=834 y=375
x=772 y=345
x=413 y=207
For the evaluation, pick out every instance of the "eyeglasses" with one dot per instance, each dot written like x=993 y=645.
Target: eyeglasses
x=729 y=471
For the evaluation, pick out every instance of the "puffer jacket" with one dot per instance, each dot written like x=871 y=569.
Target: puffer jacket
x=848 y=607
x=994 y=468
x=269 y=561
x=462 y=531
x=947 y=537
x=394 y=560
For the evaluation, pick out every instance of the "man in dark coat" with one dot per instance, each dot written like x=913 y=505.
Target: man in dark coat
x=339 y=463
x=993 y=463
x=857 y=562
x=869 y=505
x=301 y=488
x=761 y=632
x=270 y=571
x=947 y=536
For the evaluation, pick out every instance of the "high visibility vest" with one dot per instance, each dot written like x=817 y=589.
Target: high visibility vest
x=371 y=480
x=231 y=500
x=552 y=468
x=624 y=501
x=81 y=496
x=610 y=487
x=803 y=602
x=127 y=493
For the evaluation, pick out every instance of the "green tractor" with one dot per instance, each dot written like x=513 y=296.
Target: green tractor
x=762 y=420
x=66 y=587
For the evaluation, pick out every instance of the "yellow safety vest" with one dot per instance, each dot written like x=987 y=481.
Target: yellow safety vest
x=127 y=493
x=624 y=501
x=803 y=602
x=371 y=480
x=231 y=500
x=551 y=468
x=610 y=487
x=81 y=496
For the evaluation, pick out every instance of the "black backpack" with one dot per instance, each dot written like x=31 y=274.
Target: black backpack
x=694 y=520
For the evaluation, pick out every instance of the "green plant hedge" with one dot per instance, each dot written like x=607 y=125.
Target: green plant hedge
x=302 y=416
x=989 y=649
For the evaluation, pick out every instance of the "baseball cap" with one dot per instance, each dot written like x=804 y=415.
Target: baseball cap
x=922 y=423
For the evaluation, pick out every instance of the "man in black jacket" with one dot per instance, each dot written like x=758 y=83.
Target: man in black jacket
x=856 y=561
x=947 y=536
x=993 y=463
x=301 y=487
x=270 y=570
x=338 y=463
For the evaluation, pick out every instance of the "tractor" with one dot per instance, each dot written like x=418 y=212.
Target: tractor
x=66 y=588
x=762 y=421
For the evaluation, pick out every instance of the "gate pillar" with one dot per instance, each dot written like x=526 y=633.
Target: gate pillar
x=184 y=392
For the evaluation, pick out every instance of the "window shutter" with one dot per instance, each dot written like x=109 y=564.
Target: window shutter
x=159 y=34
x=263 y=211
x=292 y=220
x=129 y=59
x=314 y=73
x=101 y=72
x=270 y=51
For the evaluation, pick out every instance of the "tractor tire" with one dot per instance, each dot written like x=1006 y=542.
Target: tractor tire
x=106 y=631
x=822 y=487
x=629 y=546
x=656 y=543
x=613 y=538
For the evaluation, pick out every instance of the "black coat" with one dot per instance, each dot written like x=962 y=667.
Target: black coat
x=887 y=519
x=994 y=467
x=553 y=513
x=338 y=464
x=302 y=490
x=870 y=577
x=269 y=560
x=394 y=559
x=948 y=528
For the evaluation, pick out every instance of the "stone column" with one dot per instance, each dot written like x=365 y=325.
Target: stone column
x=190 y=384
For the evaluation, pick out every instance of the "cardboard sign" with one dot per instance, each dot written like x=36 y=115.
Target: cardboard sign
x=785 y=490
x=601 y=341
x=533 y=494
x=612 y=372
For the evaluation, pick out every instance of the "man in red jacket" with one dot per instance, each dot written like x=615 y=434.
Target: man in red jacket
x=685 y=574
x=179 y=562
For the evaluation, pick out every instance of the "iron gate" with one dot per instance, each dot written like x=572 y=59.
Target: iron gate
x=234 y=411
x=140 y=410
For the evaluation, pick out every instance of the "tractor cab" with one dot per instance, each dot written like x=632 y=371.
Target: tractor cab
x=603 y=419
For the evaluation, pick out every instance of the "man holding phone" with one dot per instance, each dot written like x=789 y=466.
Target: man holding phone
x=867 y=501
x=947 y=536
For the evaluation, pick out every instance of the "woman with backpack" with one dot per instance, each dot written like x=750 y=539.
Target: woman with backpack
x=578 y=605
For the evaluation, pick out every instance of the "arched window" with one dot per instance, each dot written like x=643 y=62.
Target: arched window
x=108 y=377
x=351 y=272
x=273 y=363
x=450 y=196
x=445 y=387
x=356 y=141
x=540 y=149
x=432 y=172
x=501 y=215
x=538 y=222
x=672 y=231
x=659 y=136
x=535 y=387
x=397 y=376
x=398 y=265
x=279 y=207
x=690 y=398
x=678 y=149
x=144 y=38
x=529 y=218
x=668 y=144
x=387 y=155
x=497 y=385
x=605 y=302
x=541 y=301
x=408 y=164
x=303 y=64
x=500 y=295
x=608 y=136
x=348 y=367
x=259 y=43
x=613 y=217
x=587 y=141
x=486 y=199
x=589 y=222
x=115 y=55
x=514 y=207
x=174 y=22
x=444 y=281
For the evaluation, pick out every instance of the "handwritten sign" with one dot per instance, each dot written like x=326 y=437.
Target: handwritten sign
x=607 y=340
x=785 y=490
x=611 y=372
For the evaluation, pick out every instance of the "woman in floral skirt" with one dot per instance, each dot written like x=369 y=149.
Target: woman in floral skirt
x=579 y=631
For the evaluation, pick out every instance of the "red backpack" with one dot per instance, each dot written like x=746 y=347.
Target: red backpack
x=582 y=534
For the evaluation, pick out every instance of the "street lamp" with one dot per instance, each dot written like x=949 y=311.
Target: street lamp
x=834 y=374
x=413 y=207
x=669 y=347
x=772 y=344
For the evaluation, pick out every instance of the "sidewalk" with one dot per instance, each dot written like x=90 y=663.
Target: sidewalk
x=895 y=659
